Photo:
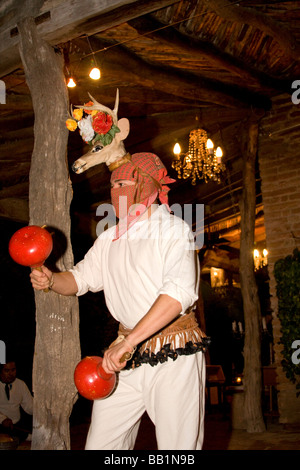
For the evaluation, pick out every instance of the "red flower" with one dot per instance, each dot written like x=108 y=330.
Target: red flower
x=102 y=122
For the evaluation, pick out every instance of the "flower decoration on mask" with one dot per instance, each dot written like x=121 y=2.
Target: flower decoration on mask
x=93 y=125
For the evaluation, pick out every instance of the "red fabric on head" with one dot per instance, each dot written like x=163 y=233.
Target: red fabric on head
x=151 y=167
x=150 y=176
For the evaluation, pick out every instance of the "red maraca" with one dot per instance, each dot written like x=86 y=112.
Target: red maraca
x=91 y=381
x=30 y=246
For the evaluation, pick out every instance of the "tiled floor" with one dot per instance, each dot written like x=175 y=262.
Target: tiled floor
x=219 y=435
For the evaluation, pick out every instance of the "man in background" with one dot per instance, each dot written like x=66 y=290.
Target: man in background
x=14 y=395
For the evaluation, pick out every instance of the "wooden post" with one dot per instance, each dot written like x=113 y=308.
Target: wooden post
x=57 y=347
x=251 y=305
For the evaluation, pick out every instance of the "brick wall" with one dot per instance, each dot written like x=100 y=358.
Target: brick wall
x=279 y=164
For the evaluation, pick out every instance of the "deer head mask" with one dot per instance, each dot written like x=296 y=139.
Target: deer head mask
x=100 y=127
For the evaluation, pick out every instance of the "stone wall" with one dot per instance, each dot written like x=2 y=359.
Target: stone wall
x=279 y=164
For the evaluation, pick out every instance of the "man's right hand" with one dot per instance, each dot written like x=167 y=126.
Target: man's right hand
x=40 y=280
x=62 y=283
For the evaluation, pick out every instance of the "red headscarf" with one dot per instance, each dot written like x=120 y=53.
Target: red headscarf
x=149 y=174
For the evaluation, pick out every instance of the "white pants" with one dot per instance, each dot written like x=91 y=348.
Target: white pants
x=172 y=393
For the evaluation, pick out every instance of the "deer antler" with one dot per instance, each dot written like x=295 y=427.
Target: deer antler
x=101 y=107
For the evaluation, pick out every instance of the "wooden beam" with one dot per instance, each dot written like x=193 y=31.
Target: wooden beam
x=57 y=345
x=14 y=121
x=17 y=150
x=162 y=128
x=15 y=173
x=122 y=14
x=251 y=305
x=20 y=102
x=64 y=20
x=200 y=50
x=176 y=83
x=13 y=208
x=19 y=190
x=15 y=136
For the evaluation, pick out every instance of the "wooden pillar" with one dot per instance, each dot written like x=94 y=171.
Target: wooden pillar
x=57 y=347
x=252 y=314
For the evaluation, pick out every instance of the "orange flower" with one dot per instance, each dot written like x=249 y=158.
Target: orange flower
x=71 y=124
x=90 y=103
x=77 y=114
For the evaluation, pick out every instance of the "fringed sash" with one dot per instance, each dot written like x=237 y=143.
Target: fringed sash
x=181 y=337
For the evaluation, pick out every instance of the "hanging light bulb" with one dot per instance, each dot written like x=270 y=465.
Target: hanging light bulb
x=70 y=80
x=95 y=73
x=71 y=83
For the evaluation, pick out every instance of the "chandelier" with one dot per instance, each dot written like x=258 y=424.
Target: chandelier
x=201 y=161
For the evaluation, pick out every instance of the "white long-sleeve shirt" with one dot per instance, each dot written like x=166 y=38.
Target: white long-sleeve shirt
x=19 y=396
x=156 y=256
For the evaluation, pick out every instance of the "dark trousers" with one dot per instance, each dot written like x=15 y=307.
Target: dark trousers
x=21 y=429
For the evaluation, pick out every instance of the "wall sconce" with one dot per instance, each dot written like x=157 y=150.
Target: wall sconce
x=260 y=258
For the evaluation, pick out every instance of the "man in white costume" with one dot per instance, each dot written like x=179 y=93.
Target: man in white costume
x=14 y=395
x=148 y=268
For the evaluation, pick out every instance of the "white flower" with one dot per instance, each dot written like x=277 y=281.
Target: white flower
x=86 y=130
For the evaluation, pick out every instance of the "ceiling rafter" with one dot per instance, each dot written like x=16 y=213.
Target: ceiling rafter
x=198 y=49
x=64 y=20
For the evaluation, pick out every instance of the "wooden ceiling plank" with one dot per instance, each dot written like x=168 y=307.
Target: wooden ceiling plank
x=120 y=15
x=176 y=83
x=218 y=60
x=14 y=209
x=238 y=13
x=68 y=19
x=16 y=190
x=162 y=129
x=12 y=121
